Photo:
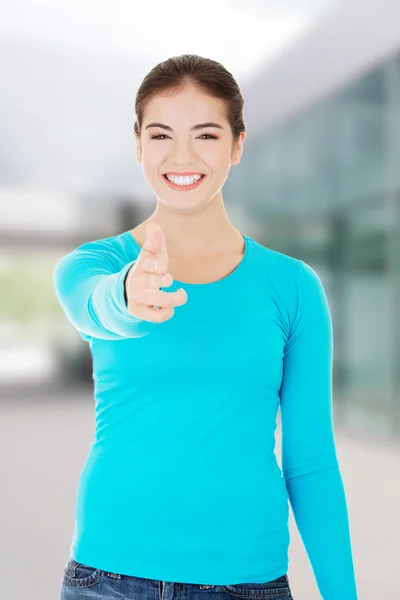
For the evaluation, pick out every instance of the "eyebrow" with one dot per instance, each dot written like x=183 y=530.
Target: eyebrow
x=195 y=127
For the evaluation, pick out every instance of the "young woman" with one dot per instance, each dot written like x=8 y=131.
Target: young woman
x=198 y=335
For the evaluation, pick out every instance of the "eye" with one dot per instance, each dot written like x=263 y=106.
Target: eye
x=162 y=135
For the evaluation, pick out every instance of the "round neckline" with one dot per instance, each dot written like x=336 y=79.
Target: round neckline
x=224 y=280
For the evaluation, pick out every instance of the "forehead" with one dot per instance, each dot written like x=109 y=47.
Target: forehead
x=185 y=106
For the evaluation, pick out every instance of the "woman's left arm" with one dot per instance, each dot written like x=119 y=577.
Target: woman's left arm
x=309 y=461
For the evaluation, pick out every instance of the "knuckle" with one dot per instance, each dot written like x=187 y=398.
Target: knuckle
x=160 y=315
x=133 y=295
x=146 y=262
x=165 y=314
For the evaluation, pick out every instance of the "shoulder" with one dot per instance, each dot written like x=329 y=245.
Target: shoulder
x=289 y=270
x=116 y=244
x=281 y=269
x=113 y=249
x=295 y=286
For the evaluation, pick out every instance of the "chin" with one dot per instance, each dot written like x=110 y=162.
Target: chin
x=184 y=206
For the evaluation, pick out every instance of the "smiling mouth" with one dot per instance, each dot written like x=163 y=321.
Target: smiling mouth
x=183 y=187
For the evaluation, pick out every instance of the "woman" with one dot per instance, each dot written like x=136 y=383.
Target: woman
x=199 y=334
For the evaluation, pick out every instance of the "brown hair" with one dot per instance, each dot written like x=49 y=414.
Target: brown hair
x=208 y=75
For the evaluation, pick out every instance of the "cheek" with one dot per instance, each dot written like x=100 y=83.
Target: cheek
x=151 y=164
x=153 y=152
x=152 y=175
x=216 y=155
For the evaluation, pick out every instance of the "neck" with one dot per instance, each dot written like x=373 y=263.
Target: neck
x=207 y=232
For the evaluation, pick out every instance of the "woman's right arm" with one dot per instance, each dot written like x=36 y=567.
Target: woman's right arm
x=91 y=291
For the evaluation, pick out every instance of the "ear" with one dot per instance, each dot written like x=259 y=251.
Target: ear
x=138 y=148
x=237 y=149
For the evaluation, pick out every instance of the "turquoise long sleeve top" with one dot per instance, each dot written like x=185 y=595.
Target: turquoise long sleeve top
x=181 y=482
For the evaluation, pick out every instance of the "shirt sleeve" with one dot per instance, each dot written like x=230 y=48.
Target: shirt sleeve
x=90 y=288
x=309 y=460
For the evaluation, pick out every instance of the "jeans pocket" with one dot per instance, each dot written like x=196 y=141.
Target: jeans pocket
x=276 y=589
x=78 y=575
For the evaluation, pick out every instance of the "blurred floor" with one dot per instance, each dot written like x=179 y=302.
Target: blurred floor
x=44 y=443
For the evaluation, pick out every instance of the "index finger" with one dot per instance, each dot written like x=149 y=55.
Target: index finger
x=155 y=242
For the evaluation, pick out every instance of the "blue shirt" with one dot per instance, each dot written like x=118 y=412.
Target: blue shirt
x=182 y=482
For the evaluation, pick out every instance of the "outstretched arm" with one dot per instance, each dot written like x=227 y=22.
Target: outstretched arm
x=309 y=461
x=90 y=288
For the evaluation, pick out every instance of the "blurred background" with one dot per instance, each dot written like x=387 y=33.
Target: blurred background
x=319 y=180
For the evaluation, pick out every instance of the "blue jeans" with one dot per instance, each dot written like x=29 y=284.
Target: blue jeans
x=82 y=582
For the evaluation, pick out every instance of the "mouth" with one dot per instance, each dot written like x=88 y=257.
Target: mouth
x=182 y=187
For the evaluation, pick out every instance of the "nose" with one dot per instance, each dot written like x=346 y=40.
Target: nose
x=184 y=156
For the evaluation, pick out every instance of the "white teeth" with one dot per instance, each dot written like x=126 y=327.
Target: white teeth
x=183 y=180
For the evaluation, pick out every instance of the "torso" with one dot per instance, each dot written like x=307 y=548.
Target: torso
x=199 y=270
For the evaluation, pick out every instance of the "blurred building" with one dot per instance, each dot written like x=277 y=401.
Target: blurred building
x=321 y=171
x=35 y=218
x=38 y=345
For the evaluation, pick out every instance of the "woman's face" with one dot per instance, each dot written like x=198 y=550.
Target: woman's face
x=208 y=150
